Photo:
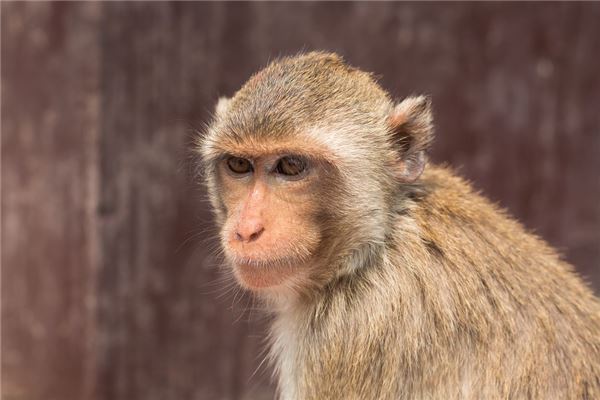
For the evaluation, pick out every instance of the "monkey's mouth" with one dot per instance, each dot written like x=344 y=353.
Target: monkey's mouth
x=260 y=273
x=266 y=263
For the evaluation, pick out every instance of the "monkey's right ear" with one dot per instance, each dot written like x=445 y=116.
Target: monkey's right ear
x=222 y=106
x=411 y=125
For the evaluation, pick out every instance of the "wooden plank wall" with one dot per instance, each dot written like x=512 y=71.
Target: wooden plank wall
x=110 y=290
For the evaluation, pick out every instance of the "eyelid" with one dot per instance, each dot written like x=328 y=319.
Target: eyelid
x=307 y=167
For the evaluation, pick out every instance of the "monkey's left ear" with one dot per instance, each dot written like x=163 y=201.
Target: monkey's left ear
x=411 y=125
x=222 y=106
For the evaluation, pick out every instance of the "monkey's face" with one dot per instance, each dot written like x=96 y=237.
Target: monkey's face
x=303 y=168
x=270 y=230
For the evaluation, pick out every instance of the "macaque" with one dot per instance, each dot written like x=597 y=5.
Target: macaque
x=387 y=277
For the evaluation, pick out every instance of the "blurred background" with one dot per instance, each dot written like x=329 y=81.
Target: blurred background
x=110 y=290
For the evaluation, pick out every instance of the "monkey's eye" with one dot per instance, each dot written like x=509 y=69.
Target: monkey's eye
x=239 y=165
x=290 y=166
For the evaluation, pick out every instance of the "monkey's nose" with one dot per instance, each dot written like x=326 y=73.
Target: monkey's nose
x=249 y=232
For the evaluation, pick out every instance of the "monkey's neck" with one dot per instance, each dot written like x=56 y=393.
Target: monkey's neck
x=313 y=330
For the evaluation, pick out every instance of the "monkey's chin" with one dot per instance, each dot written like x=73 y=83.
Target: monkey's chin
x=264 y=274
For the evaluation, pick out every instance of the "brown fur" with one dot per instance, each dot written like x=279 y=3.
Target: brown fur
x=410 y=286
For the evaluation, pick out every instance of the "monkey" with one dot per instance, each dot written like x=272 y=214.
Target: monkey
x=386 y=276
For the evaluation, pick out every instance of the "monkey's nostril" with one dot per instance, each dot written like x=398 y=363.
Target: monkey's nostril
x=243 y=236
x=256 y=235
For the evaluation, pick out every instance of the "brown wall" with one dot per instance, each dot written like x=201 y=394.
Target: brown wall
x=109 y=289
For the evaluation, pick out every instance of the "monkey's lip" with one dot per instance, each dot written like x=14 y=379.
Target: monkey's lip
x=265 y=263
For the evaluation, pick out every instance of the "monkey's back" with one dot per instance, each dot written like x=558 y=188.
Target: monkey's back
x=501 y=315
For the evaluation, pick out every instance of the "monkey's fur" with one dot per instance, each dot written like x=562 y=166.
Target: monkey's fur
x=419 y=288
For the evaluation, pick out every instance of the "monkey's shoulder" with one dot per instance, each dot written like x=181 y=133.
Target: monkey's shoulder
x=475 y=242
x=449 y=201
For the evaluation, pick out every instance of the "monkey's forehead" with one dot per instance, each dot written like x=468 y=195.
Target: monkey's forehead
x=280 y=119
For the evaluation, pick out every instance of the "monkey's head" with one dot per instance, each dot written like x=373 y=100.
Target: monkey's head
x=305 y=166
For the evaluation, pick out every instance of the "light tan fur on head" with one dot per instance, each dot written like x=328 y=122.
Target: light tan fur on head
x=388 y=277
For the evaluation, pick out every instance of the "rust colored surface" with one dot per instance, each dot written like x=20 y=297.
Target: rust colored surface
x=50 y=119
x=110 y=289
